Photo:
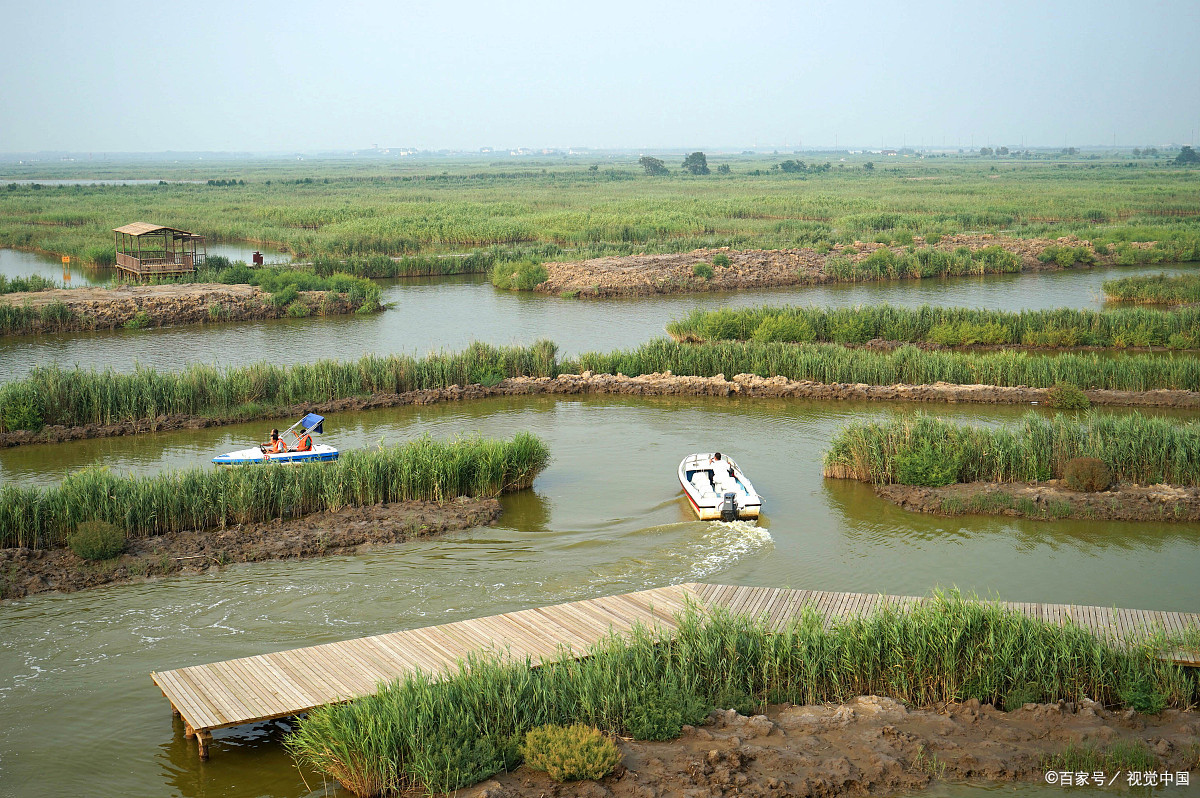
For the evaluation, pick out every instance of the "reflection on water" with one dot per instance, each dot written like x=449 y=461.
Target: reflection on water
x=448 y=313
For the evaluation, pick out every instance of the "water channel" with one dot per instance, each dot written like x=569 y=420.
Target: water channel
x=450 y=312
x=77 y=707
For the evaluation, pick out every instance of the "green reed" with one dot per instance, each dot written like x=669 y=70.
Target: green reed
x=1155 y=289
x=205 y=498
x=832 y=363
x=1062 y=327
x=444 y=732
x=1136 y=448
x=71 y=397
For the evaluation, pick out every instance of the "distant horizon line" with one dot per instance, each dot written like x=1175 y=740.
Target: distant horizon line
x=579 y=151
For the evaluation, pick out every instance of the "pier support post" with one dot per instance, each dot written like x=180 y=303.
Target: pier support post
x=188 y=731
x=203 y=738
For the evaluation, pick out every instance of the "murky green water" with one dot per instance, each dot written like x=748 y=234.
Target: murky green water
x=450 y=313
x=606 y=517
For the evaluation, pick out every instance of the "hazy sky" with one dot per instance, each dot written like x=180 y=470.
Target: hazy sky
x=302 y=76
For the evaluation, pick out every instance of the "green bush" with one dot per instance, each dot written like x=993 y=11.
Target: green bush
x=659 y=712
x=926 y=466
x=140 y=321
x=298 y=309
x=1138 y=693
x=1064 y=396
x=285 y=296
x=97 y=540
x=703 y=271
x=570 y=753
x=519 y=276
x=1087 y=474
x=721 y=259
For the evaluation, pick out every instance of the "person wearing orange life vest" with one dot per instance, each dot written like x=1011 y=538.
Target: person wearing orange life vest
x=276 y=446
x=305 y=444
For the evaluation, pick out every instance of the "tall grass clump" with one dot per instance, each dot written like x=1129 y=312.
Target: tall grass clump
x=206 y=498
x=946 y=326
x=519 y=276
x=1155 y=289
x=1135 y=448
x=34 y=282
x=73 y=397
x=832 y=363
x=887 y=264
x=438 y=734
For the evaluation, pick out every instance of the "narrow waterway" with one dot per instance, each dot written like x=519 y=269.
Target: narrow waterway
x=448 y=313
x=606 y=517
x=18 y=263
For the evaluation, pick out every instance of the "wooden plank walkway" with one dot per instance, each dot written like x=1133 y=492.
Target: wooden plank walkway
x=287 y=683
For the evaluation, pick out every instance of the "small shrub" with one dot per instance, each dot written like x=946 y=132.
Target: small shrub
x=572 y=294
x=97 y=540
x=21 y=410
x=519 y=276
x=933 y=238
x=721 y=259
x=1141 y=696
x=570 y=753
x=926 y=467
x=1021 y=694
x=703 y=271
x=285 y=296
x=730 y=697
x=1064 y=396
x=487 y=377
x=140 y=321
x=298 y=309
x=1087 y=475
x=660 y=712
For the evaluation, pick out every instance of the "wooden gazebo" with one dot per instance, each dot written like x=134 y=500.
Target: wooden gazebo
x=149 y=250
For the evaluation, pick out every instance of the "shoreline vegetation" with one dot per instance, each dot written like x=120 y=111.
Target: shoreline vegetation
x=215 y=498
x=933 y=326
x=1158 y=289
x=220 y=293
x=437 y=734
x=1134 y=468
x=54 y=404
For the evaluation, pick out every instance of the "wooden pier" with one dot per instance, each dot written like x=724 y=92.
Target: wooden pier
x=287 y=683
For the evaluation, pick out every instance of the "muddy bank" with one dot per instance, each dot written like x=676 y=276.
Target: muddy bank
x=664 y=384
x=640 y=275
x=87 y=309
x=346 y=531
x=868 y=746
x=1048 y=500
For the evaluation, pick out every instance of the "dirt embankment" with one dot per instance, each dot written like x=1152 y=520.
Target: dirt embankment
x=1049 y=500
x=639 y=275
x=163 y=306
x=868 y=746
x=351 y=529
x=665 y=384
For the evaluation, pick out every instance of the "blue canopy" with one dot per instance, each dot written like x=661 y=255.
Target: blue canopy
x=312 y=422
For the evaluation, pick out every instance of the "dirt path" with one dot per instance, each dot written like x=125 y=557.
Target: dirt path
x=639 y=275
x=868 y=746
x=166 y=305
x=665 y=384
x=346 y=531
x=1048 y=500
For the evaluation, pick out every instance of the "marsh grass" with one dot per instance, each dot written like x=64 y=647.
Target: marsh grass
x=438 y=735
x=206 y=498
x=832 y=363
x=1135 y=448
x=72 y=397
x=1063 y=327
x=1154 y=289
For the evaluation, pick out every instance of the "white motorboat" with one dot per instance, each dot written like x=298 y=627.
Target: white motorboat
x=718 y=493
x=310 y=425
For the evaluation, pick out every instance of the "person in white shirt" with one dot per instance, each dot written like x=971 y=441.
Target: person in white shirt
x=722 y=473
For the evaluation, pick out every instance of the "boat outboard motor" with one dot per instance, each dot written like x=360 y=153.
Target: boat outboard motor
x=729 y=508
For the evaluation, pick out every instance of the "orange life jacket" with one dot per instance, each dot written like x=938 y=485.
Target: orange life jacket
x=277 y=447
x=305 y=444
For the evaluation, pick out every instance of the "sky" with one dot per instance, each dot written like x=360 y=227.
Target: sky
x=300 y=76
